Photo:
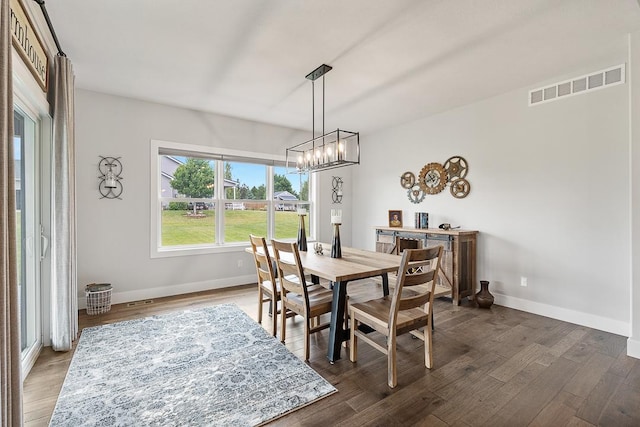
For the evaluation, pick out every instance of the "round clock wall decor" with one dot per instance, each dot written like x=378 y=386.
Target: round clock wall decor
x=433 y=178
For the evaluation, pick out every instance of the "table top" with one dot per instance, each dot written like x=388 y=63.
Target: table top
x=354 y=264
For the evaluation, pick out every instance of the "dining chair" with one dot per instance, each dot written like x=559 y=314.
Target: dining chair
x=407 y=309
x=309 y=301
x=268 y=284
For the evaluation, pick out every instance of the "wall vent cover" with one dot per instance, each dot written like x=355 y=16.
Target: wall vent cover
x=589 y=82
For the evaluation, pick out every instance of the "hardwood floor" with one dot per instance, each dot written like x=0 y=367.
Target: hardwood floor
x=497 y=367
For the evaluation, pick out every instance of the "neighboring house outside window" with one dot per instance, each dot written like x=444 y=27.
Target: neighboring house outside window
x=285 y=195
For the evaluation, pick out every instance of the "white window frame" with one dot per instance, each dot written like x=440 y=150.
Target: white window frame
x=222 y=154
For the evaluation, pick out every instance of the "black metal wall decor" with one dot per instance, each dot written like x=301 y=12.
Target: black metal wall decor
x=434 y=177
x=336 y=185
x=110 y=170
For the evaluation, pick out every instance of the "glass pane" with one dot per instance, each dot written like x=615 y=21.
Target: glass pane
x=239 y=223
x=245 y=209
x=182 y=226
x=288 y=191
x=26 y=225
x=187 y=187
x=287 y=223
x=245 y=181
x=295 y=184
x=187 y=177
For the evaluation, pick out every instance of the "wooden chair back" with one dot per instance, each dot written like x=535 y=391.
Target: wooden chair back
x=418 y=267
x=290 y=269
x=264 y=266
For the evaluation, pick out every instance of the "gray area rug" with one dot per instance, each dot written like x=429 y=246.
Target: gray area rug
x=204 y=367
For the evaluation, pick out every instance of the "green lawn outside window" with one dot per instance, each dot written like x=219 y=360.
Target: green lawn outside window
x=180 y=229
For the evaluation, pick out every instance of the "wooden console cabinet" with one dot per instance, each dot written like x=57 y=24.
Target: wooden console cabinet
x=458 y=269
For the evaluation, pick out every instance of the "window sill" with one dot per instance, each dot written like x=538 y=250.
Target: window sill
x=198 y=250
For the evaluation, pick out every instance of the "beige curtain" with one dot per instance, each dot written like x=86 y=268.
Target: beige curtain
x=64 y=292
x=10 y=376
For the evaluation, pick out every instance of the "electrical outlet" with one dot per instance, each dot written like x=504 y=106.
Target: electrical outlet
x=240 y=263
x=523 y=281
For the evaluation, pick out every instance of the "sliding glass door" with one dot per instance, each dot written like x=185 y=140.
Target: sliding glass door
x=28 y=232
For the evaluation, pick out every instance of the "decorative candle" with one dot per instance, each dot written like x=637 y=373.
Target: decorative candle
x=110 y=180
x=336 y=216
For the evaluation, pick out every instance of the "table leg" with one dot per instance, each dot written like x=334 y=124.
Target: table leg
x=337 y=334
x=315 y=279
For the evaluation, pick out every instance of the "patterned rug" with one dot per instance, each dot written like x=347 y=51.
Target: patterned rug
x=211 y=366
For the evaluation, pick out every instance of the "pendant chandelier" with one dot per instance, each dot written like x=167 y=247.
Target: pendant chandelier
x=328 y=151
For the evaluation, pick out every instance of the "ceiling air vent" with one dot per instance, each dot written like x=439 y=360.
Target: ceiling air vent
x=577 y=85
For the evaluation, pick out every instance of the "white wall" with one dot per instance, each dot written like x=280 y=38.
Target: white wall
x=549 y=194
x=113 y=235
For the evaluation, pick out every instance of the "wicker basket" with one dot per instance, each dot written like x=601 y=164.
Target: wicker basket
x=98 y=298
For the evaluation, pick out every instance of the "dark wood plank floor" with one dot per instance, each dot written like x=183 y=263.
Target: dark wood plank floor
x=497 y=367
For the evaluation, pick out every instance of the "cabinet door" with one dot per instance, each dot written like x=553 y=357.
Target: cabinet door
x=385 y=242
x=466 y=267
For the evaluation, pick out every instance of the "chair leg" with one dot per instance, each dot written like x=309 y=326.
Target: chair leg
x=260 y=303
x=283 y=321
x=345 y=343
x=428 y=347
x=391 y=360
x=353 y=342
x=274 y=314
x=306 y=338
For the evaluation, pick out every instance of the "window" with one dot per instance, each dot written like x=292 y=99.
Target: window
x=211 y=199
x=288 y=191
x=245 y=203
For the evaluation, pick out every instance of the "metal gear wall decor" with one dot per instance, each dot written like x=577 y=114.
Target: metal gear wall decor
x=415 y=194
x=456 y=167
x=460 y=188
x=433 y=178
x=407 y=180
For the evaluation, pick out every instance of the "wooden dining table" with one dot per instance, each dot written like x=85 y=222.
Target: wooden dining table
x=354 y=264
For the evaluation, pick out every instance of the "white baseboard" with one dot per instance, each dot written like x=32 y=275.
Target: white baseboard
x=579 y=318
x=633 y=348
x=167 y=291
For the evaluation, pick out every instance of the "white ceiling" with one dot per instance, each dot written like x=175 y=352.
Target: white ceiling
x=394 y=60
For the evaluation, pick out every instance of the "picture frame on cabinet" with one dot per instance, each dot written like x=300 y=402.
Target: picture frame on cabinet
x=395 y=218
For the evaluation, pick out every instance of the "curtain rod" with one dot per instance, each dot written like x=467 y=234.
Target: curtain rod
x=50 y=25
